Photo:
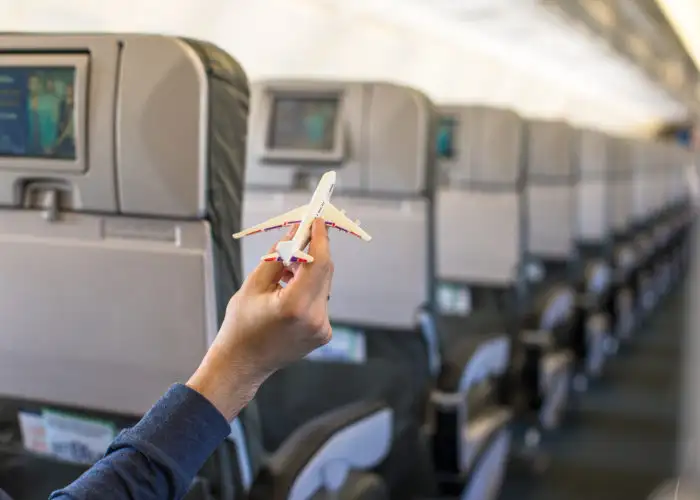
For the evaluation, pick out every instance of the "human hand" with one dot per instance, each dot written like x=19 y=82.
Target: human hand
x=268 y=326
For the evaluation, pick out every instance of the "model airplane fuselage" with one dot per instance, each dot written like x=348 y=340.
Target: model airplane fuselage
x=319 y=207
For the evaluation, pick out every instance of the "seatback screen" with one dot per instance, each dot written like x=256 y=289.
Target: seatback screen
x=445 y=138
x=303 y=124
x=37 y=108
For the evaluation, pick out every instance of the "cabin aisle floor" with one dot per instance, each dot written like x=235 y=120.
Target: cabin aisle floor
x=619 y=440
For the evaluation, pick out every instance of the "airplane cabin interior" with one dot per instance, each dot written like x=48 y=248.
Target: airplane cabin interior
x=521 y=324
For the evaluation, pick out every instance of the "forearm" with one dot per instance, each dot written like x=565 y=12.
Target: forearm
x=228 y=381
x=159 y=457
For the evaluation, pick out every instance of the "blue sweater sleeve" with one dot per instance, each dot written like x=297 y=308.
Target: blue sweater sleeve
x=158 y=457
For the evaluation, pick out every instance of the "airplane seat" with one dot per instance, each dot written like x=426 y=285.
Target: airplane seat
x=652 y=228
x=663 y=224
x=377 y=137
x=673 y=161
x=688 y=205
x=626 y=253
x=647 y=185
x=594 y=243
x=478 y=194
x=132 y=220
x=674 y=216
x=126 y=218
x=685 y=212
x=482 y=328
x=551 y=265
x=662 y=231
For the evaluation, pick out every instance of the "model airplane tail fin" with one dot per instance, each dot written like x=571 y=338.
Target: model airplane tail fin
x=288 y=252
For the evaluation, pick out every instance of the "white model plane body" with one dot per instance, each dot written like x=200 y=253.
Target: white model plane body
x=319 y=207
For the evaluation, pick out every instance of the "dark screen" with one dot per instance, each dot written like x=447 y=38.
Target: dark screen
x=445 y=138
x=37 y=108
x=303 y=124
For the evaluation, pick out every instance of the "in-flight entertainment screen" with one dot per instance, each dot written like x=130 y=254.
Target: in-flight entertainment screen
x=37 y=112
x=306 y=124
x=445 y=137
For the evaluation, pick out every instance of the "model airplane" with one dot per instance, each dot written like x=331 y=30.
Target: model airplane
x=320 y=206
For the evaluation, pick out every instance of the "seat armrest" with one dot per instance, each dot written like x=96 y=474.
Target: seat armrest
x=325 y=450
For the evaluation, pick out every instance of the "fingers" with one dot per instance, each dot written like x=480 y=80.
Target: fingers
x=315 y=278
x=319 y=247
x=267 y=274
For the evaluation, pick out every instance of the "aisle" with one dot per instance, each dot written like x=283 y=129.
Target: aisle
x=619 y=441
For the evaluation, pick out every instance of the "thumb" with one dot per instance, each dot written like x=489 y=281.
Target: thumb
x=268 y=274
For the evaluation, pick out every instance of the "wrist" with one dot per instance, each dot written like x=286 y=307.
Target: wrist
x=226 y=382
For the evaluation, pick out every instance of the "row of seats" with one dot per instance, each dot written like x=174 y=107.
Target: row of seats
x=510 y=258
x=514 y=234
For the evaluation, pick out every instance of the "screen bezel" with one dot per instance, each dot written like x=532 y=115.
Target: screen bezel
x=274 y=155
x=80 y=63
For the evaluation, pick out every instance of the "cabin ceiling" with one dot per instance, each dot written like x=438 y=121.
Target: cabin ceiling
x=607 y=64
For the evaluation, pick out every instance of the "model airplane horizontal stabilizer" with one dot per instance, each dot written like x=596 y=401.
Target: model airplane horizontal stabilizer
x=287 y=248
x=320 y=206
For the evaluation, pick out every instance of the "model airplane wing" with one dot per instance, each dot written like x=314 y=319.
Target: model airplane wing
x=337 y=219
x=290 y=218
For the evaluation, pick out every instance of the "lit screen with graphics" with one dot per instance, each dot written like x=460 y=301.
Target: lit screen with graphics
x=303 y=124
x=37 y=112
x=445 y=138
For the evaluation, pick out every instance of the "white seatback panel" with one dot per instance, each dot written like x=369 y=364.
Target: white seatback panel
x=551 y=214
x=108 y=312
x=593 y=210
x=621 y=194
x=380 y=283
x=621 y=204
x=593 y=213
x=479 y=236
x=551 y=189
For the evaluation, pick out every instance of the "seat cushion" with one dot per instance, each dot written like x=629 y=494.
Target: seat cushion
x=308 y=389
x=461 y=337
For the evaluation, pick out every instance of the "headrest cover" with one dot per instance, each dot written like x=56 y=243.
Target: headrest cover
x=621 y=158
x=487 y=147
x=378 y=136
x=135 y=117
x=592 y=153
x=644 y=156
x=550 y=150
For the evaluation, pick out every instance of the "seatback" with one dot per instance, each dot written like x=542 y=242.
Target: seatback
x=646 y=180
x=550 y=186
x=383 y=153
x=621 y=194
x=667 y=157
x=480 y=214
x=593 y=211
x=593 y=218
x=480 y=193
x=382 y=181
x=551 y=191
x=675 y=174
x=116 y=260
